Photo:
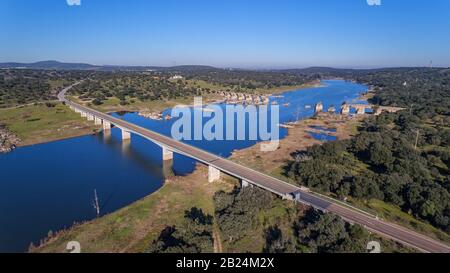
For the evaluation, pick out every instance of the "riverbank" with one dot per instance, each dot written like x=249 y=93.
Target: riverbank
x=260 y=91
x=8 y=140
x=36 y=124
x=298 y=139
x=134 y=227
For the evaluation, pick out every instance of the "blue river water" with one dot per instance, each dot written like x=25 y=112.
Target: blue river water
x=48 y=187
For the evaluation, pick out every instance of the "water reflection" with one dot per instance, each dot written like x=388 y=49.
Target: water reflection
x=132 y=153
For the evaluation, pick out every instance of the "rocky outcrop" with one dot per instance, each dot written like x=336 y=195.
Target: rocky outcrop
x=8 y=140
x=151 y=115
x=154 y=115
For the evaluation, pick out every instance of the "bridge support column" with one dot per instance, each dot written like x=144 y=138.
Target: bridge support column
x=83 y=114
x=296 y=196
x=245 y=184
x=213 y=174
x=98 y=121
x=167 y=168
x=166 y=154
x=125 y=135
x=90 y=117
x=106 y=125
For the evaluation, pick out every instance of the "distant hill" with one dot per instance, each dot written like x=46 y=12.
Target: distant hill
x=50 y=65
x=55 y=65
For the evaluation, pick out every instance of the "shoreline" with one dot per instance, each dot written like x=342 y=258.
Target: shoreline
x=131 y=110
x=297 y=139
x=58 y=139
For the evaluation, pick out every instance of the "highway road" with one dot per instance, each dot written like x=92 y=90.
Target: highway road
x=286 y=190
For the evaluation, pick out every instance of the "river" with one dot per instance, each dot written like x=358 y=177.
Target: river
x=48 y=187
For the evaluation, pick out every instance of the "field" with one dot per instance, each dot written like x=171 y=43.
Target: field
x=39 y=123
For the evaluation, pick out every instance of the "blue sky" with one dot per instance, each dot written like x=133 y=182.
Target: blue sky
x=228 y=33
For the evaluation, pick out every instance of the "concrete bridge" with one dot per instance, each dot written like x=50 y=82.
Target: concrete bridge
x=217 y=165
x=361 y=108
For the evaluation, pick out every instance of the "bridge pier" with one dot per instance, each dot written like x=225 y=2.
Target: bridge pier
x=125 y=135
x=83 y=114
x=296 y=196
x=245 y=184
x=90 y=117
x=106 y=125
x=167 y=168
x=97 y=121
x=213 y=174
x=166 y=154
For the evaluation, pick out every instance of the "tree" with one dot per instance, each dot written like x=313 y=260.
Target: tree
x=275 y=241
x=192 y=236
x=319 y=232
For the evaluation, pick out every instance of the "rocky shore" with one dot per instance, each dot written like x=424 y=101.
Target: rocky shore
x=154 y=115
x=8 y=140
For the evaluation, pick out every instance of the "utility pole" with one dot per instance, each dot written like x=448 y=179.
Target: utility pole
x=95 y=204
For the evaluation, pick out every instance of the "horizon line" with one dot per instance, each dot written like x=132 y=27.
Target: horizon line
x=275 y=67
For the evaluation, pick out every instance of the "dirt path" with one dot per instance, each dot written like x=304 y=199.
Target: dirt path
x=217 y=240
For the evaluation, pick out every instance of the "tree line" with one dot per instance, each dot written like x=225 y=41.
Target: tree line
x=401 y=158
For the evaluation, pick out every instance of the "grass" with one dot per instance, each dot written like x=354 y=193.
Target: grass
x=39 y=123
x=396 y=215
x=253 y=241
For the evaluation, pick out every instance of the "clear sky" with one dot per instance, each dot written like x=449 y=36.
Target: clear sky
x=228 y=33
